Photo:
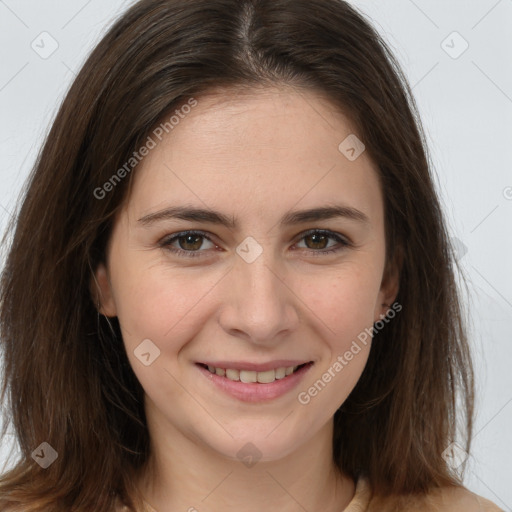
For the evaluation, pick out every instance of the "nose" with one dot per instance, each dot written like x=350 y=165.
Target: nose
x=259 y=306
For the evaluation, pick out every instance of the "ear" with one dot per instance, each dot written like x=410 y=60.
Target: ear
x=389 y=286
x=101 y=292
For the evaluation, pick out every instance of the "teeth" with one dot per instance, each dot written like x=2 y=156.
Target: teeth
x=232 y=374
x=266 y=377
x=246 y=376
x=250 y=376
x=280 y=373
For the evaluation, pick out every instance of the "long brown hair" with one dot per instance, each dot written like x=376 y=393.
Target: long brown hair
x=66 y=377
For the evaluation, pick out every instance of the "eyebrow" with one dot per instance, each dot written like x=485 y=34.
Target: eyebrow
x=291 y=218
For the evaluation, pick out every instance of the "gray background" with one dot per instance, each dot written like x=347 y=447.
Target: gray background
x=465 y=99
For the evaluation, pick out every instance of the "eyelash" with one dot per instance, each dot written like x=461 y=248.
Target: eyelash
x=166 y=242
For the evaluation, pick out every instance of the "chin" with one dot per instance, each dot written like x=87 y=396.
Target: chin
x=266 y=441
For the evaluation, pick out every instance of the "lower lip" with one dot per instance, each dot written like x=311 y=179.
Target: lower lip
x=254 y=391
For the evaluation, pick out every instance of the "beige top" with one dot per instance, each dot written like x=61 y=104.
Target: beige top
x=359 y=502
x=457 y=499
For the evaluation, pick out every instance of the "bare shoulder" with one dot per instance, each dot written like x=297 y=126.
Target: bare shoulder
x=445 y=499
x=459 y=499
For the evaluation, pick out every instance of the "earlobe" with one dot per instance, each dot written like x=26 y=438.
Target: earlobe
x=101 y=292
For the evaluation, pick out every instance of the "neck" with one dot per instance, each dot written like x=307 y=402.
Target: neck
x=184 y=474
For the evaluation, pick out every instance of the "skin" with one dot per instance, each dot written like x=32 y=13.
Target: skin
x=255 y=157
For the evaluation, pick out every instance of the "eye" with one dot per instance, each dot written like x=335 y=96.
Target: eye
x=319 y=238
x=190 y=242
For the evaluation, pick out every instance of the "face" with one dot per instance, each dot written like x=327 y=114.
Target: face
x=255 y=288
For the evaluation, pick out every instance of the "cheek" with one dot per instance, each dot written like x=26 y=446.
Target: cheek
x=160 y=303
x=347 y=347
x=345 y=305
x=343 y=300
x=331 y=385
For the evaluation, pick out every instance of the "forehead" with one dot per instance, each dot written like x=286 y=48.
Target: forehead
x=249 y=150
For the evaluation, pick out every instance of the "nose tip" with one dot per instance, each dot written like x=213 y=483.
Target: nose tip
x=259 y=305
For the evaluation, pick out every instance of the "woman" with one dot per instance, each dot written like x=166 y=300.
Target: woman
x=237 y=275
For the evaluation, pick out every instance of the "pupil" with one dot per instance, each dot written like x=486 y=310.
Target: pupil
x=197 y=238
x=316 y=237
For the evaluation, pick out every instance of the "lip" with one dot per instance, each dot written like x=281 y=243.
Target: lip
x=254 y=391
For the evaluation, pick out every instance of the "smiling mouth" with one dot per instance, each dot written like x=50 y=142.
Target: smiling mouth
x=247 y=376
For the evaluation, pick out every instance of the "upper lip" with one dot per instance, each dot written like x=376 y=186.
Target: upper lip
x=255 y=367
